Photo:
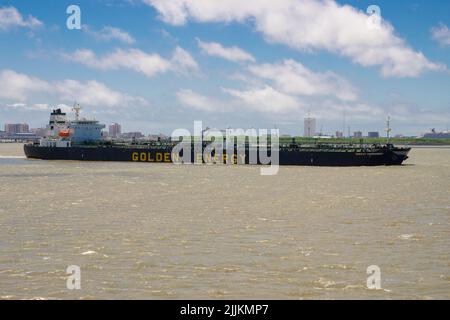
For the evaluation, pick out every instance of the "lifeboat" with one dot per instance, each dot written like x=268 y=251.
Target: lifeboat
x=64 y=133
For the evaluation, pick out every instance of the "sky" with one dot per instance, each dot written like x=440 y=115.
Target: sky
x=158 y=65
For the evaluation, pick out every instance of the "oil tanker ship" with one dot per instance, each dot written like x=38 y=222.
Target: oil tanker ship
x=81 y=139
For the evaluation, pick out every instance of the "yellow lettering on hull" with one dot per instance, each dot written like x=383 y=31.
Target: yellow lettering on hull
x=148 y=157
x=168 y=157
x=176 y=157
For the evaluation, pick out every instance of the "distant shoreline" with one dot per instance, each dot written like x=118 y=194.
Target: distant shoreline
x=408 y=142
x=437 y=146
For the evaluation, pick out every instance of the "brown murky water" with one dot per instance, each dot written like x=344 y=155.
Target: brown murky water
x=157 y=231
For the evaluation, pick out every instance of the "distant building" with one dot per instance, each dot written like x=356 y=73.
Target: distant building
x=115 y=130
x=12 y=128
x=310 y=127
x=339 y=134
x=437 y=135
x=214 y=131
x=132 y=135
x=357 y=134
x=25 y=136
x=153 y=137
x=157 y=137
x=40 y=132
x=373 y=134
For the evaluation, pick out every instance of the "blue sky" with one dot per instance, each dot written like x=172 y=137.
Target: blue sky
x=157 y=65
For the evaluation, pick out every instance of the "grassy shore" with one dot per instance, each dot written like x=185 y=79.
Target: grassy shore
x=396 y=141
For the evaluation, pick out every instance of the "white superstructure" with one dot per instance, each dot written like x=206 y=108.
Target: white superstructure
x=62 y=132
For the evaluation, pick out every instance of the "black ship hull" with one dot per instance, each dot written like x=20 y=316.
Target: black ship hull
x=381 y=156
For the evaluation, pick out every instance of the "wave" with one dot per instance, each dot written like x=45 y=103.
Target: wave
x=12 y=157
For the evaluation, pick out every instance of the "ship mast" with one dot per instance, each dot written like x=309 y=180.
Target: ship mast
x=388 y=129
x=77 y=108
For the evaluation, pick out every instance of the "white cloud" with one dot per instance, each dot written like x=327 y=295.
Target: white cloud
x=292 y=77
x=309 y=25
x=441 y=34
x=40 y=106
x=110 y=33
x=24 y=106
x=280 y=108
x=265 y=100
x=16 y=105
x=234 y=53
x=133 y=59
x=199 y=102
x=17 y=86
x=136 y=60
x=182 y=62
x=270 y=102
x=94 y=93
x=21 y=88
x=334 y=110
x=10 y=17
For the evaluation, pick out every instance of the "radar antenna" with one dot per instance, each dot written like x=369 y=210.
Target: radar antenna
x=76 y=108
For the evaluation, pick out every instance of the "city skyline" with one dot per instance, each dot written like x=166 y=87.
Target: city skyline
x=171 y=65
x=114 y=130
